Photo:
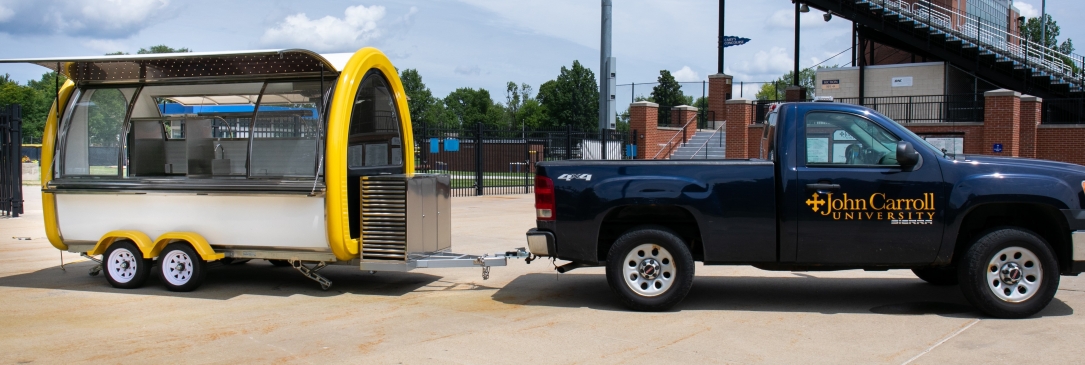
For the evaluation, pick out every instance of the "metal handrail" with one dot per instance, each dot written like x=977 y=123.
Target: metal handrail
x=676 y=135
x=705 y=144
x=989 y=37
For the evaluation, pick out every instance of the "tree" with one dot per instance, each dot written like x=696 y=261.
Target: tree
x=668 y=94
x=36 y=97
x=1033 y=31
x=571 y=99
x=775 y=90
x=422 y=104
x=470 y=106
x=162 y=48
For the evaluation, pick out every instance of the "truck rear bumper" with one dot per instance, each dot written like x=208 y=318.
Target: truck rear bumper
x=540 y=243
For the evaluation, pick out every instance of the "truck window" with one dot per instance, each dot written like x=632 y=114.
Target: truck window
x=93 y=135
x=846 y=139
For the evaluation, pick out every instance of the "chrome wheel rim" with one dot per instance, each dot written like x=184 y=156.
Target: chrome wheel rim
x=1014 y=274
x=649 y=270
x=177 y=267
x=122 y=265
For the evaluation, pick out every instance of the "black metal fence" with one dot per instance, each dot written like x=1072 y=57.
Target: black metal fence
x=925 y=109
x=1063 y=111
x=11 y=164
x=490 y=161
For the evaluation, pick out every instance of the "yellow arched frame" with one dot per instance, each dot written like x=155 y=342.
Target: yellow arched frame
x=48 y=200
x=335 y=174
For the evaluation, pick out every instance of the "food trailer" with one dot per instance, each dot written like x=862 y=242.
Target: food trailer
x=167 y=162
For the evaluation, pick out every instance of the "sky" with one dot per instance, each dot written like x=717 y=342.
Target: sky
x=458 y=43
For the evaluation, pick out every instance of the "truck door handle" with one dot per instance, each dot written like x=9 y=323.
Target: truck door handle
x=821 y=186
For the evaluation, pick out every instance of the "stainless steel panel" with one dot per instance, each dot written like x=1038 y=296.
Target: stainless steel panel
x=427 y=184
x=200 y=148
x=384 y=218
x=444 y=212
x=538 y=242
x=415 y=221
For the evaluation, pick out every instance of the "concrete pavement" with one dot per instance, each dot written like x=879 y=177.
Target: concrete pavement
x=525 y=313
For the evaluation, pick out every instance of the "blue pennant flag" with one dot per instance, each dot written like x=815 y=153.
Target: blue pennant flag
x=734 y=41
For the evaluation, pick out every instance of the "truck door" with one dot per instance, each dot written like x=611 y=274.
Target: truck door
x=860 y=206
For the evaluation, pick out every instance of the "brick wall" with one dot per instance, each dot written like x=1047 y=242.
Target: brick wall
x=739 y=117
x=753 y=133
x=1031 y=111
x=1002 y=121
x=1064 y=143
x=650 y=136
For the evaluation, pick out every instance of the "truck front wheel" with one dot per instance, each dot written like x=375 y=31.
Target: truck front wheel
x=1009 y=273
x=650 y=269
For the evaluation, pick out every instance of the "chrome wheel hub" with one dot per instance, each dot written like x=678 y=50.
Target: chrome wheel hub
x=649 y=270
x=1014 y=274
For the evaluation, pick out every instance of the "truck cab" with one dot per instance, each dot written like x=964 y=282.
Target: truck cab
x=835 y=187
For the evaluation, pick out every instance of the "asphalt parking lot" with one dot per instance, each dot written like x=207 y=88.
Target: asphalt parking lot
x=256 y=312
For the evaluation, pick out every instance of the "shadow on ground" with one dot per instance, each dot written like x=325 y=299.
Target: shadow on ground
x=223 y=282
x=889 y=296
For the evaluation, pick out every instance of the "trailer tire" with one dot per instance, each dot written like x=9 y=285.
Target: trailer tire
x=181 y=268
x=650 y=269
x=125 y=266
x=1009 y=273
x=938 y=275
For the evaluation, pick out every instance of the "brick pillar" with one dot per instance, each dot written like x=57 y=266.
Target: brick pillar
x=720 y=89
x=1002 y=122
x=795 y=93
x=643 y=117
x=739 y=117
x=1030 y=121
x=682 y=114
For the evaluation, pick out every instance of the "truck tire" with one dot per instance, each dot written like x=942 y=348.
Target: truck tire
x=650 y=269
x=125 y=266
x=1009 y=273
x=937 y=275
x=181 y=268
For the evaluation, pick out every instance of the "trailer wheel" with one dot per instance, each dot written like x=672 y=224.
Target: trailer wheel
x=279 y=263
x=1009 y=273
x=650 y=269
x=941 y=275
x=181 y=268
x=125 y=266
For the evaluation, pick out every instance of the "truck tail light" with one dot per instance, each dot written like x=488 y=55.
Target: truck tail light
x=544 y=198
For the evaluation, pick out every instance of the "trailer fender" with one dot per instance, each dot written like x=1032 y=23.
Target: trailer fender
x=197 y=241
x=139 y=238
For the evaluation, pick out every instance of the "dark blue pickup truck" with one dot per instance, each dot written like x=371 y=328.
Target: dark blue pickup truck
x=855 y=190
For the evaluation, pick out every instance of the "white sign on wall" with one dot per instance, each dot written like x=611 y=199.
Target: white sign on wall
x=902 y=81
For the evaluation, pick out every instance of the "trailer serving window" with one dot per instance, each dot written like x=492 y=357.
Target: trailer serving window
x=223 y=130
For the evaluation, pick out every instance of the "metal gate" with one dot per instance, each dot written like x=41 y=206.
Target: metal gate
x=489 y=161
x=11 y=164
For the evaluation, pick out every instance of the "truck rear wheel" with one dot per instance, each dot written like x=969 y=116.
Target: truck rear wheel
x=1009 y=273
x=940 y=275
x=125 y=266
x=182 y=269
x=650 y=269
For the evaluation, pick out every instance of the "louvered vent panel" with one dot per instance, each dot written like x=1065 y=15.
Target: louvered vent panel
x=384 y=219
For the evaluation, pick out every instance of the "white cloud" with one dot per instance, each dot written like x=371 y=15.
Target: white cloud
x=768 y=65
x=1027 y=10
x=358 y=26
x=473 y=70
x=97 y=19
x=785 y=19
x=686 y=74
x=105 y=45
x=5 y=14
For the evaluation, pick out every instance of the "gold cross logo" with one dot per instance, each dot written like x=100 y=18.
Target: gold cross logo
x=815 y=202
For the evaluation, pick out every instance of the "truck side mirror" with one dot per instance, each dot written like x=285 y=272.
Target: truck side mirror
x=906 y=154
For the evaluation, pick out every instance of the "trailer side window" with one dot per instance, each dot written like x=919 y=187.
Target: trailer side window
x=93 y=136
x=374 y=142
x=287 y=130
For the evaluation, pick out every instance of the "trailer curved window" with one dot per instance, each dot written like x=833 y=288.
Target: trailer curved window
x=374 y=143
x=93 y=137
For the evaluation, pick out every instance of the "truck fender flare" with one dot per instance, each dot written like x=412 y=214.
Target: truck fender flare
x=196 y=240
x=142 y=241
x=979 y=190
